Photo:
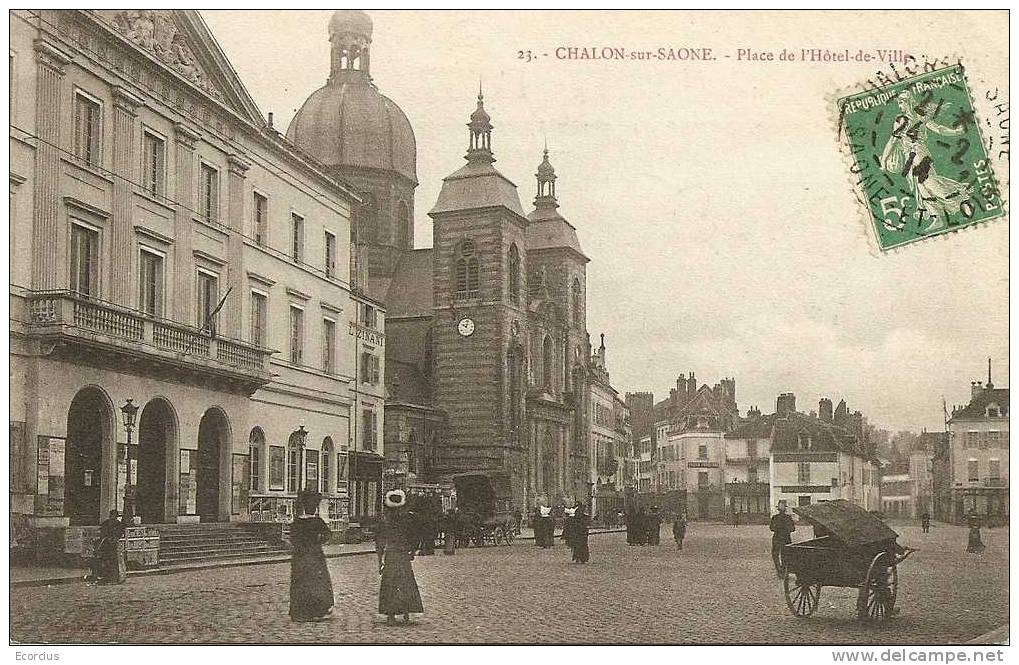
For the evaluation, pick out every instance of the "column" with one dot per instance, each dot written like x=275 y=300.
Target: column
x=125 y=112
x=48 y=268
x=184 y=196
x=231 y=315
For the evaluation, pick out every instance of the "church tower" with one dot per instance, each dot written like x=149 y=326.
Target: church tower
x=364 y=139
x=479 y=264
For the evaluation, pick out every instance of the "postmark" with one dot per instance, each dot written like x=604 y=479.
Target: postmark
x=918 y=160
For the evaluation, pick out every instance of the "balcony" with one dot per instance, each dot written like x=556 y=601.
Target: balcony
x=995 y=482
x=69 y=320
x=748 y=488
x=744 y=459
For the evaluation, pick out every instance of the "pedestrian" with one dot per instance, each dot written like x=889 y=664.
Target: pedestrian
x=640 y=526
x=568 y=525
x=654 y=527
x=518 y=519
x=975 y=545
x=108 y=564
x=544 y=533
x=581 y=523
x=679 y=529
x=781 y=527
x=449 y=533
x=429 y=527
x=311 y=589
x=735 y=517
x=925 y=522
x=394 y=546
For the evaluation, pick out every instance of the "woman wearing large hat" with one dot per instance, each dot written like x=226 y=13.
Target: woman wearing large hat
x=311 y=590
x=394 y=544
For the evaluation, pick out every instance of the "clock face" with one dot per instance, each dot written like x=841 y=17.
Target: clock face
x=465 y=327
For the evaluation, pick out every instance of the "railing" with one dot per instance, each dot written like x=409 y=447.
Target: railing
x=72 y=311
x=745 y=459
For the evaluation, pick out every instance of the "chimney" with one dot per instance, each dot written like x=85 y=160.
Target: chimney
x=824 y=410
x=691 y=385
x=976 y=387
x=785 y=404
x=681 y=383
x=601 y=350
x=990 y=386
x=270 y=119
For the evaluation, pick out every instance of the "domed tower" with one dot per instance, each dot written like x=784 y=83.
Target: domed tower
x=365 y=139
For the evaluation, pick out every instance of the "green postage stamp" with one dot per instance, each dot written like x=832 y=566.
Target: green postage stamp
x=918 y=157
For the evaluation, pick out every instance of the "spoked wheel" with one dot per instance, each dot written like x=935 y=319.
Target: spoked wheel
x=801 y=597
x=509 y=534
x=876 y=601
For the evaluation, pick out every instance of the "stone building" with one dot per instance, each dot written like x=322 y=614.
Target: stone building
x=979 y=454
x=491 y=321
x=610 y=437
x=814 y=457
x=171 y=252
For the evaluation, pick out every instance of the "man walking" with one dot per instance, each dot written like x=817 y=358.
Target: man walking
x=782 y=527
x=679 y=529
x=925 y=522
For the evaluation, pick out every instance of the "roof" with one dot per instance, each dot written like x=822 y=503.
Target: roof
x=977 y=408
x=785 y=431
x=410 y=291
x=552 y=233
x=847 y=522
x=477 y=185
x=348 y=122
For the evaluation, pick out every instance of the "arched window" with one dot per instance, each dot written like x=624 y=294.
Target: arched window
x=514 y=275
x=328 y=482
x=468 y=277
x=256 y=451
x=578 y=305
x=293 y=465
x=404 y=240
x=547 y=361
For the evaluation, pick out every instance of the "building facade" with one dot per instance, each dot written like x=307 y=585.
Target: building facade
x=491 y=320
x=180 y=281
x=979 y=454
x=610 y=438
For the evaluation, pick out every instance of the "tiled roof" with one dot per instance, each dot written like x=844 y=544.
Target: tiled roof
x=410 y=292
x=978 y=407
x=784 y=432
x=477 y=185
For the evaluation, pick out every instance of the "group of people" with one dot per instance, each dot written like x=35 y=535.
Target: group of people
x=109 y=565
x=643 y=527
x=397 y=539
x=576 y=529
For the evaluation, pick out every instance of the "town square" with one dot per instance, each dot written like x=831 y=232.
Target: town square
x=520 y=328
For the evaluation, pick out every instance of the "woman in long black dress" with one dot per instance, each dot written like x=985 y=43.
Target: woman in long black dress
x=394 y=544
x=311 y=589
x=578 y=535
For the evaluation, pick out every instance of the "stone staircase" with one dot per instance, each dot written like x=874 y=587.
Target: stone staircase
x=182 y=544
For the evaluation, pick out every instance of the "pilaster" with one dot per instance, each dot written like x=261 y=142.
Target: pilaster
x=47 y=235
x=184 y=194
x=232 y=319
x=125 y=113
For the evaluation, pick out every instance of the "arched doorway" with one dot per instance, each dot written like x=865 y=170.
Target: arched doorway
x=213 y=442
x=90 y=424
x=157 y=450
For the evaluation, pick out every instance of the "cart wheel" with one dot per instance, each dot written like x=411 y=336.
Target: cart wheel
x=876 y=601
x=801 y=598
x=510 y=534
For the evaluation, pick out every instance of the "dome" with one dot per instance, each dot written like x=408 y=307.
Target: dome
x=351 y=21
x=480 y=116
x=545 y=169
x=350 y=123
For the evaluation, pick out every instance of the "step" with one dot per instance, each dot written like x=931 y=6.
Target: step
x=222 y=538
x=204 y=551
x=225 y=557
x=184 y=549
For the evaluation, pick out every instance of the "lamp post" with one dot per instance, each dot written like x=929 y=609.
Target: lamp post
x=299 y=437
x=130 y=412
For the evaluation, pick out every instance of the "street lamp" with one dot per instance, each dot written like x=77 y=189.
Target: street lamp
x=299 y=436
x=130 y=412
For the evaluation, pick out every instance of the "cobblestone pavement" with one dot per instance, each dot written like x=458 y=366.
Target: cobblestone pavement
x=720 y=589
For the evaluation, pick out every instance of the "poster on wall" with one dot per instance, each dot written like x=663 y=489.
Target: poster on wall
x=239 y=485
x=55 y=499
x=184 y=489
x=276 y=463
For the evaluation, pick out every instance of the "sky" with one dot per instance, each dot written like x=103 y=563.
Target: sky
x=711 y=195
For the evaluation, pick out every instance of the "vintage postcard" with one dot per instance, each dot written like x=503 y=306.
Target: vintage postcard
x=374 y=326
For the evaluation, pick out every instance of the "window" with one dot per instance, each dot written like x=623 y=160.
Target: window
x=973 y=470
x=369 y=317
x=296 y=335
x=341 y=470
x=330 y=255
x=84 y=261
x=87 y=129
x=993 y=411
x=578 y=305
x=468 y=279
x=702 y=451
x=208 y=193
x=752 y=449
x=368 y=429
x=994 y=468
x=296 y=237
x=293 y=467
x=259 y=309
x=260 y=209
x=154 y=164
x=327 y=457
x=150 y=288
x=256 y=442
x=208 y=300
x=514 y=275
x=702 y=480
x=972 y=439
x=752 y=474
x=328 y=345
x=311 y=479
x=369 y=368
x=804 y=441
x=803 y=473
x=547 y=361
x=994 y=439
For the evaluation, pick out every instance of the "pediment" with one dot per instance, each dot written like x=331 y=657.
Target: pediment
x=181 y=43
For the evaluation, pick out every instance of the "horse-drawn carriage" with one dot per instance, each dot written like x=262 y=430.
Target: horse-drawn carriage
x=851 y=548
x=484 y=515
